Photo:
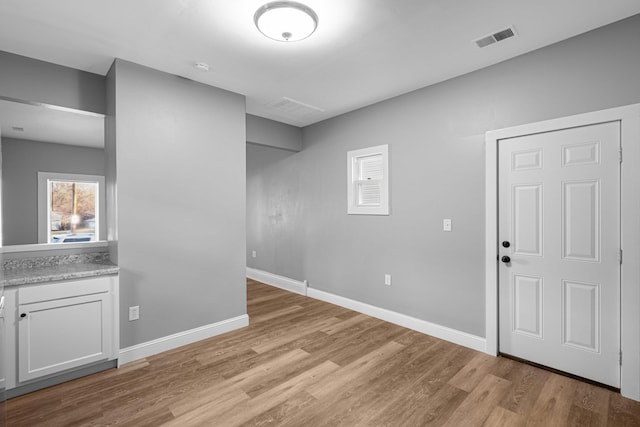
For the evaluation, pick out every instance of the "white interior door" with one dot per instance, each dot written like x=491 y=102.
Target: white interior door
x=559 y=226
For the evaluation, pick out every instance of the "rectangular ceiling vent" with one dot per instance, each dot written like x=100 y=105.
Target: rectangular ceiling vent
x=496 y=37
x=291 y=107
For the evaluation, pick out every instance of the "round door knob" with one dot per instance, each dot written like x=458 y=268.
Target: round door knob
x=506 y=259
x=506 y=244
x=23 y=315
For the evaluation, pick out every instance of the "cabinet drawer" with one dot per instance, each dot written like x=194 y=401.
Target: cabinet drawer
x=60 y=334
x=51 y=291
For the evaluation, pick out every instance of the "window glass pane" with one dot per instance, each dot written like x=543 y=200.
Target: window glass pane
x=370 y=167
x=72 y=214
x=368 y=193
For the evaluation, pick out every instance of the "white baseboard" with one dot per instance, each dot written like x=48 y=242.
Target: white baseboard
x=281 y=282
x=170 y=342
x=452 y=335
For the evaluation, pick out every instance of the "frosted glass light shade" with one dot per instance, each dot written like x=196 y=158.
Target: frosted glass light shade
x=286 y=21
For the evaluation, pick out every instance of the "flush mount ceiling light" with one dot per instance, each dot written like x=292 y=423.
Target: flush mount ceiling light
x=286 y=21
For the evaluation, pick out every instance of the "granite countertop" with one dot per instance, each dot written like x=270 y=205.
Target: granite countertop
x=54 y=268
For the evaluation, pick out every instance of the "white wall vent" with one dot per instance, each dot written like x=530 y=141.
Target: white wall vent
x=496 y=37
x=291 y=107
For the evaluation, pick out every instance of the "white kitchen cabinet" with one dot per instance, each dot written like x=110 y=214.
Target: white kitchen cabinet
x=2 y=343
x=63 y=325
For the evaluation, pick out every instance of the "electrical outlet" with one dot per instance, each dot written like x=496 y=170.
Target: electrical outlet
x=387 y=279
x=134 y=312
x=253 y=254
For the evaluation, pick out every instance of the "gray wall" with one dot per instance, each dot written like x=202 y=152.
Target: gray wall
x=21 y=162
x=274 y=134
x=32 y=80
x=436 y=143
x=274 y=211
x=180 y=167
x=111 y=169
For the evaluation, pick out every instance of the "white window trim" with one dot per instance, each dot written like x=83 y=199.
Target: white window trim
x=43 y=201
x=352 y=206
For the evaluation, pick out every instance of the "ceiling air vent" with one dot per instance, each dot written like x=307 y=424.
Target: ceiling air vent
x=291 y=107
x=496 y=37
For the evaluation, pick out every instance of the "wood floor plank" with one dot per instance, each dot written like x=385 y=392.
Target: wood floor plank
x=280 y=413
x=344 y=324
x=436 y=411
x=246 y=378
x=391 y=391
x=343 y=377
x=299 y=333
x=208 y=409
x=581 y=417
x=480 y=402
x=223 y=393
x=410 y=337
x=592 y=398
x=274 y=397
x=553 y=404
x=304 y=362
x=623 y=412
x=277 y=313
x=500 y=417
x=359 y=395
x=232 y=366
x=474 y=372
x=528 y=382
x=342 y=338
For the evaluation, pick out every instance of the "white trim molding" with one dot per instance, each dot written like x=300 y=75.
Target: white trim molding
x=281 y=282
x=629 y=118
x=36 y=247
x=149 y=348
x=452 y=335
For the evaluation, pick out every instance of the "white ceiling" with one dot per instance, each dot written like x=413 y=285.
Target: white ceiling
x=363 y=51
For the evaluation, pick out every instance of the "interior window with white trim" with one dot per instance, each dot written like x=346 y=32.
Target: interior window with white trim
x=70 y=209
x=368 y=181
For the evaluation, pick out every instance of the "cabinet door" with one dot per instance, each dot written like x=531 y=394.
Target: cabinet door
x=61 y=334
x=3 y=347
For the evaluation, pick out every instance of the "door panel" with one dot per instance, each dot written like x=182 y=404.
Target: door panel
x=527 y=305
x=581 y=154
x=581 y=314
x=527 y=219
x=559 y=296
x=526 y=160
x=580 y=220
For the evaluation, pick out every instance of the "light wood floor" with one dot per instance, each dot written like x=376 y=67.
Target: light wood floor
x=303 y=362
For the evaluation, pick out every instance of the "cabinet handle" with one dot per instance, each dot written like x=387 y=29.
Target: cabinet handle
x=23 y=315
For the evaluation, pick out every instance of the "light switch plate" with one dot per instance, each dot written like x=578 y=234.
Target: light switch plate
x=134 y=312
x=446 y=225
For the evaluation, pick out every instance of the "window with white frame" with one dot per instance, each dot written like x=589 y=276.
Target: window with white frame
x=368 y=181
x=70 y=207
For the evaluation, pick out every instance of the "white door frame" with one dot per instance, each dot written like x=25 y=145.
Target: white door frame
x=629 y=116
